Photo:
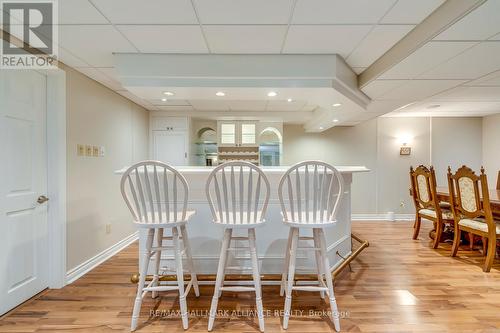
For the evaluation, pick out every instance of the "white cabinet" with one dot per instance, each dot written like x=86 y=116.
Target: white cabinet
x=169 y=139
x=239 y=133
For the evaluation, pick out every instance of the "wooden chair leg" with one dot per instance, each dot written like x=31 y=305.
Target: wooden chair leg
x=142 y=279
x=329 y=282
x=456 y=241
x=180 y=278
x=437 y=235
x=220 y=277
x=416 y=227
x=471 y=241
x=291 y=273
x=490 y=256
x=485 y=245
x=189 y=257
x=285 y=263
x=256 y=277
x=159 y=242
x=319 y=263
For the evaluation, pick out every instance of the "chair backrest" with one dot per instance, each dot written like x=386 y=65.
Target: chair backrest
x=466 y=191
x=423 y=187
x=238 y=192
x=311 y=192
x=155 y=192
x=498 y=181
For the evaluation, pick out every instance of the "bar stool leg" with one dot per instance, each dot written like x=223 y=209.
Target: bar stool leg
x=180 y=278
x=220 y=277
x=159 y=242
x=291 y=273
x=142 y=280
x=319 y=263
x=286 y=262
x=256 y=277
x=329 y=281
x=192 y=271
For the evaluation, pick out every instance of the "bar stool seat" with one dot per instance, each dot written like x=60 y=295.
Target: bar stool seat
x=310 y=193
x=234 y=192
x=156 y=195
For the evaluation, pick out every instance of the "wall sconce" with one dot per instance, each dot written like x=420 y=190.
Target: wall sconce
x=404 y=140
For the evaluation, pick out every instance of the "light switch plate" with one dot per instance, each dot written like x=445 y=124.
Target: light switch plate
x=88 y=150
x=95 y=151
x=80 y=150
x=102 y=151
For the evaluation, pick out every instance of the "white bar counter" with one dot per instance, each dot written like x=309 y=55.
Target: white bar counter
x=206 y=238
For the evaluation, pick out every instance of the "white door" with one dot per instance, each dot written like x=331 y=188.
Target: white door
x=170 y=147
x=23 y=179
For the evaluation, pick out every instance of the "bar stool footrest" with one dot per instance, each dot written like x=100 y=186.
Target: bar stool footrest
x=237 y=288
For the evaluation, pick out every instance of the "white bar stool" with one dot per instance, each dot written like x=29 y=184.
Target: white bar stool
x=309 y=194
x=157 y=195
x=234 y=191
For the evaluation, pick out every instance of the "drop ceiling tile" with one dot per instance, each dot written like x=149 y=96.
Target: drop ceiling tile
x=94 y=44
x=340 y=11
x=376 y=43
x=243 y=11
x=378 y=88
x=479 y=94
x=165 y=38
x=79 y=12
x=492 y=79
x=415 y=90
x=147 y=12
x=340 y=39
x=245 y=38
x=427 y=57
x=253 y=105
x=481 y=24
x=411 y=11
x=477 y=61
x=209 y=105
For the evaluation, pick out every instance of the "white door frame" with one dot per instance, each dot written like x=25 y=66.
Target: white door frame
x=56 y=176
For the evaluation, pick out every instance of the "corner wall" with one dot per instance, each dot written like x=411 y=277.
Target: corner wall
x=491 y=148
x=98 y=116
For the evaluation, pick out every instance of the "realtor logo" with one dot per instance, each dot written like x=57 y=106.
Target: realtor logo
x=30 y=34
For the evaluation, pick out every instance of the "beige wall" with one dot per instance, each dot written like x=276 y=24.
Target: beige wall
x=491 y=148
x=376 y=144
x=99 y=116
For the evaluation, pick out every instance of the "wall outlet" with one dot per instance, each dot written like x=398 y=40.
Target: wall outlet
x=95 y=151
x=402 y=204
x=80 y=150
x=88 y=150
x=108 y=228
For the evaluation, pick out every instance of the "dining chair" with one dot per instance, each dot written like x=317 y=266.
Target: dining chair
x=310 y=193
x=498 y=181
x=471 y=208
x=238 y=196
x=156 y=195
x=427 y=204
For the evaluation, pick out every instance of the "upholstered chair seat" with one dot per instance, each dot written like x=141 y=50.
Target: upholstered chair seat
x=478 y=223
x=446 y=214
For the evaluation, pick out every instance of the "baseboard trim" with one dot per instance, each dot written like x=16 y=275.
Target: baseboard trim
x=382 y=217
x=85 y=267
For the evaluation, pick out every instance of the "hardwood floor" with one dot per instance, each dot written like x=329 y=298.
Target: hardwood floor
x=397 y=285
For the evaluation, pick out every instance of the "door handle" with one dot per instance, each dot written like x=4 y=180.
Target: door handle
x=41 y=199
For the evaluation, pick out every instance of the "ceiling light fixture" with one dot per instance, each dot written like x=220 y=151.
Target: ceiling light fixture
x=335 y=120
x=272 y=94
x=321 y=127
x=168 y=93
x=220 y=94
x=163 y=99
x=336 y=104
x=289 y=100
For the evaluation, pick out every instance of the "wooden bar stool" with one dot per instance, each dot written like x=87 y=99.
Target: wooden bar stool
x=234 y=192
x=157 y=195
x=310 y=193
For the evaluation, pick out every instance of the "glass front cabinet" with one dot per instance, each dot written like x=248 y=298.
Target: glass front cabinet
x=237 y=133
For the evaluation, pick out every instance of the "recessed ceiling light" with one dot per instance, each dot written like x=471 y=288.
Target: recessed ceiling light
x=335 y=120
x=321 y=127
x=220 y=94
x=336 y=105
x=168 y=93
x=163 y=99
x=289 y=100
x=272 y=94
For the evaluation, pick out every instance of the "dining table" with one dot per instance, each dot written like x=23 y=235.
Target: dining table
x=443 y=194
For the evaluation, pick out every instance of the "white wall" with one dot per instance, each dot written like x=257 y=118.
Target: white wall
x=376 y=144
x=491 y=148
x=99 y=116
